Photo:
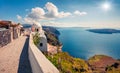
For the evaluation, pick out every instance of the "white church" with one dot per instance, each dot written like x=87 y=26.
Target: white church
x=43 y=40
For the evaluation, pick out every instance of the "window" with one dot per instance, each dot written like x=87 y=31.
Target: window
x=37 y=30
x=41 y=44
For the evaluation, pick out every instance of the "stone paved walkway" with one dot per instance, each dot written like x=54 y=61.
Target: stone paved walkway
x=14 y=57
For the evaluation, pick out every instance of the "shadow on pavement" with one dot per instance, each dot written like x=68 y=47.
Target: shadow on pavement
x=24 y=64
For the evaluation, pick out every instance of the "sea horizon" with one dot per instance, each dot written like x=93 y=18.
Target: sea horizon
x=75 y=39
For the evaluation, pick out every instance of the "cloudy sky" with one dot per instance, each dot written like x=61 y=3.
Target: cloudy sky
x=64 y=13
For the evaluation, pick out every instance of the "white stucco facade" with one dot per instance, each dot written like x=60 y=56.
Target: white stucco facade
x=43 y=40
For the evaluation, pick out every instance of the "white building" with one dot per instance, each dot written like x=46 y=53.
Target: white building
x=43 y=40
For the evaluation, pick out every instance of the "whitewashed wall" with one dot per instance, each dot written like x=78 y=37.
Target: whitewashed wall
x=39 y=63
x=44 y=44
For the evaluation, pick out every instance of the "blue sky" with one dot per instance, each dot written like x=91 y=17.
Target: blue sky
x=86 y=13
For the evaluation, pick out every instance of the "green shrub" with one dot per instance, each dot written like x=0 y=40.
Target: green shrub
x=67 y=64
x=36 y=38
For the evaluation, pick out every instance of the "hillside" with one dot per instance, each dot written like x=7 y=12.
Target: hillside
x=96 y=64
x=52 y=35
x=51 y=30
x=104 y=31
x=104 y=64
x=67 y=64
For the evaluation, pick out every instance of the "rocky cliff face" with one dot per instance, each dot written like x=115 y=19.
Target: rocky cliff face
x=51 y=30
x=54 y=45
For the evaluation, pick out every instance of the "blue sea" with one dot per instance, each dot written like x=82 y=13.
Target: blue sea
x=80 y=43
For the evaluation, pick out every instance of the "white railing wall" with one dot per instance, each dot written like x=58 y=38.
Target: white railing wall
x=39 y=63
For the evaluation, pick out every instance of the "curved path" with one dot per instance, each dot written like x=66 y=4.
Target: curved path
x=14 y=57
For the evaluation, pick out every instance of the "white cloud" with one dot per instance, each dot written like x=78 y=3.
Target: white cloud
x=19 y=17
x=38 y=10
x=63 y=14
x=80 y=13
x=52 y=11
x=49 y=12
x=37 y=14
x=54 y=23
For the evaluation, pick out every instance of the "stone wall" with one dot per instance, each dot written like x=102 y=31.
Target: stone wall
x=5 y=37
x=8 y=35
x=15 y=33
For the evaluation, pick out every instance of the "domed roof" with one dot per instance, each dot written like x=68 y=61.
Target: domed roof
x=42 y=34
x=38 y=24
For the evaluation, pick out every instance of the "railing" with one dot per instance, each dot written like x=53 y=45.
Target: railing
x=39 y=63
